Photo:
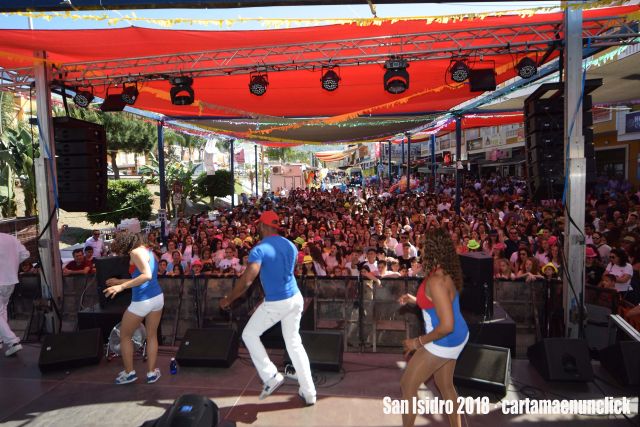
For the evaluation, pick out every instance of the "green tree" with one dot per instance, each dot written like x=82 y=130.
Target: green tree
x=125 y=199
x=220 y=184
x=17 y=153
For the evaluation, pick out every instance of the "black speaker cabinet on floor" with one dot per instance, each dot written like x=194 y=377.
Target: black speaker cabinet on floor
x=325 y=350
x=622 y=360
x=477 y=295
x=71 y=350
x=562 y=359
x=484 y=367
x=211 y=347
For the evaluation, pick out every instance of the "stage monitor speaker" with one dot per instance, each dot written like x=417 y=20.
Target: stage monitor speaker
x=325 y=349
x=188 y=410
x=482 y=80
x=562 y=359
x=106 y=268
x=622 y=360
x=71 y=350
x=477 y=294
x=211 y=347
x=484 y=367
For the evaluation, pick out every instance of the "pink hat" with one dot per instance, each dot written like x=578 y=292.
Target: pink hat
x=500 y=246
x=196 y=262
x=336 y=231
x=591 y=253
x=553 y=240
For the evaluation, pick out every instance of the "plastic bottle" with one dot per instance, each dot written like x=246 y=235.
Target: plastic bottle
x=173 y=366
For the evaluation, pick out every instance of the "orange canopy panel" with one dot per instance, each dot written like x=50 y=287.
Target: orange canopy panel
x=102 y=57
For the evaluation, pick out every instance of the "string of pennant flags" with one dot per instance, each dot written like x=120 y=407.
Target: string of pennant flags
x=276 y=23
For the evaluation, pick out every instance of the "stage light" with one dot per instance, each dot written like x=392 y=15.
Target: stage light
x=258 y=84
x=527 y=68
x=396 y=78
x=181 y=91
x=129 y=93
x=83 y=98
x=459 y=72
x=330 y=79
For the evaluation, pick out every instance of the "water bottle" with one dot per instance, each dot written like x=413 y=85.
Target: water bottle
x=173 y=366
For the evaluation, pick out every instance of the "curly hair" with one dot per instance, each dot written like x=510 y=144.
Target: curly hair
x=126 y=241
x=438 y=251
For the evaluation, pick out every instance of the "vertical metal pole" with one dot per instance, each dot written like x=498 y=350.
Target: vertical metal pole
x=163 y=182
x=408 y=162
x=458 y=156
x=255 y=155
x=389 y=163
x=433 y=161
x=233 y=175
x=45 y=172
x=262 y=166
x=575 y=169
x=401 y=159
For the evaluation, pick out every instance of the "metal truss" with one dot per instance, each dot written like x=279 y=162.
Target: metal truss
x=475 y=44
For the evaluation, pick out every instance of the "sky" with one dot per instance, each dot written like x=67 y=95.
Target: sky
x=9 y=21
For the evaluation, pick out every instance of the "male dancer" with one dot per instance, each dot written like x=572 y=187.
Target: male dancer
x=274 y=258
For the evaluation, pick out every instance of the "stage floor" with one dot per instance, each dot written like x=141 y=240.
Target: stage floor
x=87 y=396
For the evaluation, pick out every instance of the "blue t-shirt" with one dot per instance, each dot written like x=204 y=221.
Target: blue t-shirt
x=148 y=289
x=277 y=258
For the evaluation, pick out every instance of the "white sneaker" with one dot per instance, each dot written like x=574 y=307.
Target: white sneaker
x=308 y=400
x=272 y=385
x=154 y=376
x=13 y=349
x=126 y=378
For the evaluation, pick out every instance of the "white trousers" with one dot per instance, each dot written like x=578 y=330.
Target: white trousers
x=288 y=312
x=6 y=334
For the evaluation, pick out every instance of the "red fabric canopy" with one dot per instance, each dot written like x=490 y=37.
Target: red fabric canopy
x=290 y=93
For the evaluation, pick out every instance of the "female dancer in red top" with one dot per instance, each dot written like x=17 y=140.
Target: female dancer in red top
x=436 y=352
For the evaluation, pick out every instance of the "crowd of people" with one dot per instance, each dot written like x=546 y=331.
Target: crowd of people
x=369 y=230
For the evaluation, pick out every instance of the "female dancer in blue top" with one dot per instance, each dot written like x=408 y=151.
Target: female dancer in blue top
x=147 y=301
x=446 y=331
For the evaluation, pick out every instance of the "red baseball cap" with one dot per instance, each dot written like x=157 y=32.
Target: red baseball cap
x=269 y=218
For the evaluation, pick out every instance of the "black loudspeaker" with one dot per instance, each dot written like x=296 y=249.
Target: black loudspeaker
x=482 y=80
x=562 y=359
x=81 y=163
x=211 y=347
x=106 y=268
x=622 y=360
x=325 y=350
x=189 y=410
x=71 y=350
x=484 y=367
x=477 y=295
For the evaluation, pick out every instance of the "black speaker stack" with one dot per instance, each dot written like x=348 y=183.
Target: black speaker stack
x=477 y=295
x=81 y=163
x=545 y=144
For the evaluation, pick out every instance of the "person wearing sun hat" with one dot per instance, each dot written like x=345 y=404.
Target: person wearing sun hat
x=550 y=271
x=593 y=269
x=274 y=259
x=473 y=245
